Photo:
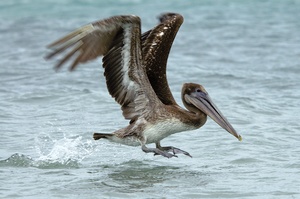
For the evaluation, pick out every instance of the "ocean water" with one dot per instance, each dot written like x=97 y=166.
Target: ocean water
x=245 y=53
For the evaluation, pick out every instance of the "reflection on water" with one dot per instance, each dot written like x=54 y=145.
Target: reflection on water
x=138 y=176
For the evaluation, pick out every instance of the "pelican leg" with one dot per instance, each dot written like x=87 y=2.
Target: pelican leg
x=172 y=149
x=157 y=151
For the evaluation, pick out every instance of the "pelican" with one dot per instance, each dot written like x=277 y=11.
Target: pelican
x=135 y=71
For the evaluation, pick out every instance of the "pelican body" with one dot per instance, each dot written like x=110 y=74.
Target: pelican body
x=135 y=71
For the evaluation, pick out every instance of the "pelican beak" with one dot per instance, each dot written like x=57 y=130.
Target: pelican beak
x=203 y=102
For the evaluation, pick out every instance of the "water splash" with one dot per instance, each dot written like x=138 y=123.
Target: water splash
x=66 y=152
x=53 y=154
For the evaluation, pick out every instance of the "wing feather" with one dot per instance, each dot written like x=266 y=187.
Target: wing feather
x=156 y=45
x=118 y=39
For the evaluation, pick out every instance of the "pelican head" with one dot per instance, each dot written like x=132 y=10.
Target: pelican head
x=196 y=99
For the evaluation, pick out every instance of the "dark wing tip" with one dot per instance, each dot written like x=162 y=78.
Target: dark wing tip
x=166 y=16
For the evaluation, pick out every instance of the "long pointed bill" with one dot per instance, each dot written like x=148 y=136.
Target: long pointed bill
x=203 y=102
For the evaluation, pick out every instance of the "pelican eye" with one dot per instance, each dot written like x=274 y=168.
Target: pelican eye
x=198 y=90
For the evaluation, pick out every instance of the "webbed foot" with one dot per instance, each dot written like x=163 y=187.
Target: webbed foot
x=157 y=151
x=172 y=149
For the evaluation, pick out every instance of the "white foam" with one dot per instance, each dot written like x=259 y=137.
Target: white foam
x=63 y=150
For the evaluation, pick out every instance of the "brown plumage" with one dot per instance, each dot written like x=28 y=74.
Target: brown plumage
x=135 y=71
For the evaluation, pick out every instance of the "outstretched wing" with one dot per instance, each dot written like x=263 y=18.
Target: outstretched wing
x=156 y=45
x=119 y=40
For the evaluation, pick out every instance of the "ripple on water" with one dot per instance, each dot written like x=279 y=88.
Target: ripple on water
x=131 y=177
x=17 y=160
x=53 y=154
x=246 y=161
x=21 y=160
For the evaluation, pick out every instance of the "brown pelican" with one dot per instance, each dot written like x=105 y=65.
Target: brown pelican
x=135 y=71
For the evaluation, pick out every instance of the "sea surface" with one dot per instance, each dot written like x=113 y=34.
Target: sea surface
x=245 y=53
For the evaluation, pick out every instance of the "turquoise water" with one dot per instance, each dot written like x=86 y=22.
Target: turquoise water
x=245 y=53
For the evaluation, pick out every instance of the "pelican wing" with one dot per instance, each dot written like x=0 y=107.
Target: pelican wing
x=118 y=39
x=156 y=45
